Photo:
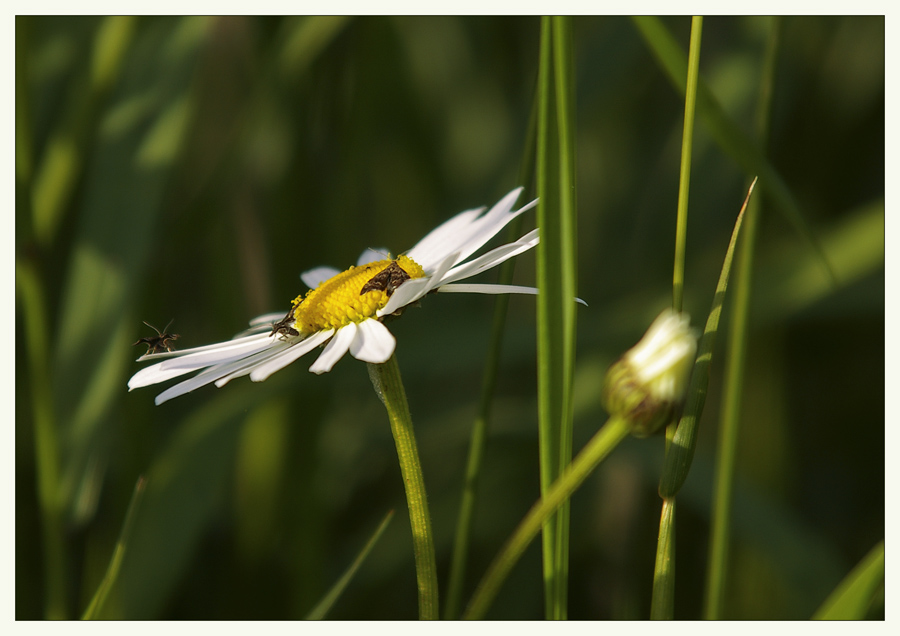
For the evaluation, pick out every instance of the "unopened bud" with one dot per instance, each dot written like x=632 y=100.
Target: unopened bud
x=648 y=383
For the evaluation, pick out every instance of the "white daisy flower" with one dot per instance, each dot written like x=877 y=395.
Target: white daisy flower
x=344 y=310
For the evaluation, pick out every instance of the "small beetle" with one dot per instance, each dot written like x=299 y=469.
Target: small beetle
x=283 y=327
x=387 y=280
x=160 y=342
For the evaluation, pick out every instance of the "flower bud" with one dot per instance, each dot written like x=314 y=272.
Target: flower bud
x=648 y=383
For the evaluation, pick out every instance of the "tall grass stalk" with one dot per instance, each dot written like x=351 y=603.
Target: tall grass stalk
x=389 y=387
x=556 y=282
x=735 y=362
x=662 y=604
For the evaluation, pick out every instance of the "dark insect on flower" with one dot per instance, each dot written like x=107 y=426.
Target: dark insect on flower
x=387 y=280
x=160 y=342
x=283 y=327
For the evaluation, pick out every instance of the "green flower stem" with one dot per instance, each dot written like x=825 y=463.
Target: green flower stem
x=389 y=387
x=595 y=451
x=662 y=606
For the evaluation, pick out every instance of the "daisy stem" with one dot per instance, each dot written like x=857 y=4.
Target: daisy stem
x=574 y=474
x=389 y=387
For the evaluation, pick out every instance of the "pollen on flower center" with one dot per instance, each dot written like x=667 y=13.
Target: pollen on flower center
x=341 y=300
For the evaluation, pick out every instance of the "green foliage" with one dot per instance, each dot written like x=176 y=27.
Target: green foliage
x=191 y=168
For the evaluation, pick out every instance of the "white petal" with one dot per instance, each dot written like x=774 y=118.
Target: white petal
x=217 y=354
x=201 y=379
x=412 y=290
x=336 y=348
x=478 y=288
x=181 y=362
x=466 y=240
x=212 y=347
x=371 y=255
x=154 y=375
x=492 y=222
x=373 y=342
x=314 y=277
x=277 y=363
x=492 y=258
x=245 y=366
x=431 y=249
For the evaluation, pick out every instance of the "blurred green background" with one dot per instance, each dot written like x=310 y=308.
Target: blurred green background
x=191 y=168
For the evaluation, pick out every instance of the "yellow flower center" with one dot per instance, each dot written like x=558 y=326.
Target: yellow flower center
x=341 y=300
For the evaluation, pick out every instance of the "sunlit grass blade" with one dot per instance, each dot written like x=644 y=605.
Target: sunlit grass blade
x=305 y=38
x=478 y=435
x=557 y=284
x=852 y=598
x=389 y=387
x=725 y=132
x=324 y=606
x=115 y=563
x=791 y=282
x=594 y=452
x=111 y=249
x=46 y=438
x=61 y=164
x=735 y=361
x=681 y=451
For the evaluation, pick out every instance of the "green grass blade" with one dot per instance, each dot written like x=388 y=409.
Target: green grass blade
x=681 y=452
x=115 y=563
x=389 y=387
x=46 y=438
x=662 y=605
x=684 y=178
x=726 y=133
x=556 y=282
x=734 y=369
x=324 y=606
x=594 y=452
x=61 y=165
x=853 y=596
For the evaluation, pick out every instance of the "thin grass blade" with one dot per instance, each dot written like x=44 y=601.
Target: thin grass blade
x=681 y=452
x=727 y=134
x=115 y=563
x=324 y=606
x=556 y=284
